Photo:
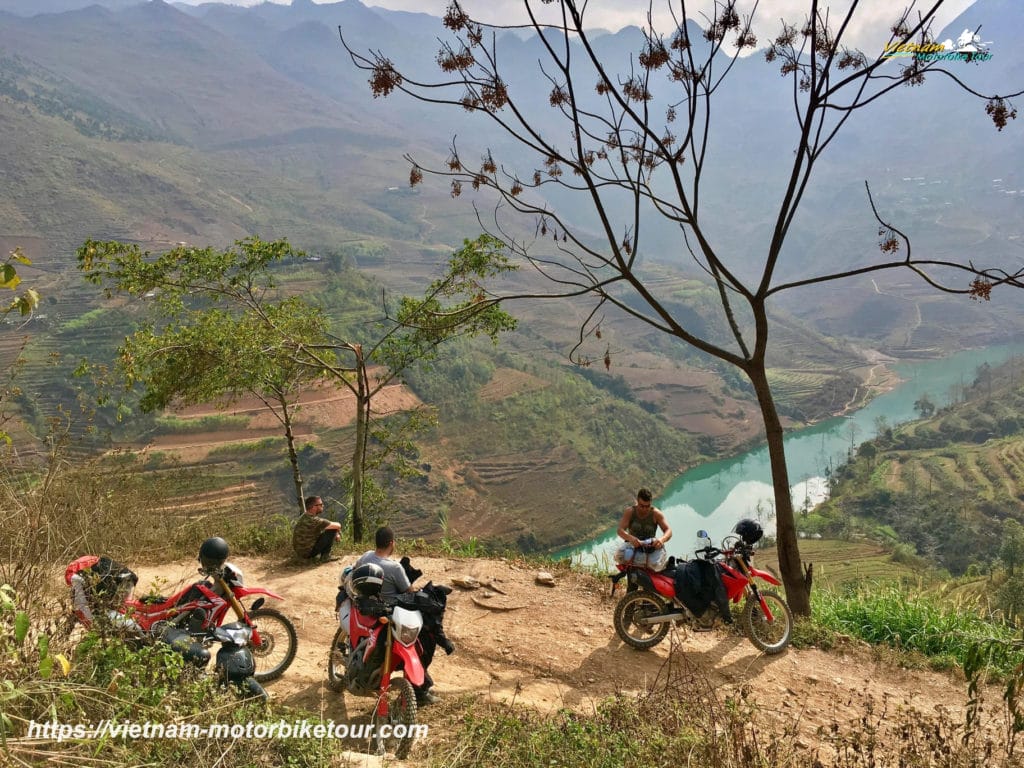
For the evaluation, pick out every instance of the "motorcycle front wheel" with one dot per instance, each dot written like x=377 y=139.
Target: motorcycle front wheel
x=401 y=718
x=336 y=661
x=277 y=646
x=633 y=607
x=768 y=636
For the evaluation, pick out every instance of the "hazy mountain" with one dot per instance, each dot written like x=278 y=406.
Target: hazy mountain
x=37 y=7
x=163 y=122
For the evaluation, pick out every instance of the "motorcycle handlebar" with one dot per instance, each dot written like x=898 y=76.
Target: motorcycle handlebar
x=740 y=548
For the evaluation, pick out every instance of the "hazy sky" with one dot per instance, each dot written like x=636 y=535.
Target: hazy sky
x=874 y=17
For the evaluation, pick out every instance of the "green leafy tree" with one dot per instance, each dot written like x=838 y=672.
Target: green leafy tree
x=924 y=406
x=217 y=328
x=456 y=305
x=223 y=329
x=643 y=148
x=868 y=451
x=1012 y=550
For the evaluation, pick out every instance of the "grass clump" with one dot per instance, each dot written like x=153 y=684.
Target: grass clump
x=173 y=425
x=227 y=450
x=892 y=616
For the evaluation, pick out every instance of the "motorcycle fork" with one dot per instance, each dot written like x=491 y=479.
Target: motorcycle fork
x=239 y=610
x=752 y=589
x=385 y=678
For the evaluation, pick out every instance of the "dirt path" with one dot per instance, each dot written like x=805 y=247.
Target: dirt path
x=557 y=648
x=880 y=379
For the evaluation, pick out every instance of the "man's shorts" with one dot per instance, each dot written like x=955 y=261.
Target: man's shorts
x=628 y=555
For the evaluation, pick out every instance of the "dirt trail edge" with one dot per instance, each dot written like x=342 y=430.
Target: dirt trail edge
x=558 y=649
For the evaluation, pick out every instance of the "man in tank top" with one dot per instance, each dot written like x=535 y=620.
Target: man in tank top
x=639 y=525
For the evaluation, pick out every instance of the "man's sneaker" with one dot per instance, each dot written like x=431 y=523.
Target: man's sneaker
x=329 y=558
x=425 y=699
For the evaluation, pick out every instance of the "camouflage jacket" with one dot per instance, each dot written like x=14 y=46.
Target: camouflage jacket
x=307 y=530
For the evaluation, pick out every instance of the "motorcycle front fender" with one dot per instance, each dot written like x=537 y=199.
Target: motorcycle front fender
x=766 y=575
x=409 y=660
x=241 y=592
x=236 y=663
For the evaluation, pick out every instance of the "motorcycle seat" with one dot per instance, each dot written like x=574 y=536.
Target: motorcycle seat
x=374 y=607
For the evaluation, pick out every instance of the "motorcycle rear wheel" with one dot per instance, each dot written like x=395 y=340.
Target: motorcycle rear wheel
x=336 y=661
x=773 y=636
x=634 y=606
x=278 y=643
x=401 y=712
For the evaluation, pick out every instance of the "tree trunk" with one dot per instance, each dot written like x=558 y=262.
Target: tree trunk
x=797 y=590
x=293 y=456
x=359 y=452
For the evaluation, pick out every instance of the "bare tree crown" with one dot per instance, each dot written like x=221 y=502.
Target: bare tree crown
x=636 y=144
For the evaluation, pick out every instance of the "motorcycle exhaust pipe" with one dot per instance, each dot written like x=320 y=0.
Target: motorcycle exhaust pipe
x=662 y=618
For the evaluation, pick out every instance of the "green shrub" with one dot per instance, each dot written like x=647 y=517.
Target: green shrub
x=137 y=681
x=173 y=425
x=272 y=536
x=228 y=450
x=892 y=616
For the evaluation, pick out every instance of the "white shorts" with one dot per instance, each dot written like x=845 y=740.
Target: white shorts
x=654 y=560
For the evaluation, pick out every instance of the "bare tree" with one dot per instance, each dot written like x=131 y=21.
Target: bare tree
x=634 y=155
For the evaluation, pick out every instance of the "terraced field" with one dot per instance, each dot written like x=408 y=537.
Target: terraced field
x=794 y=385
x=245 y=502
x=511 y=468
x=529 y=497
x=506 y=382
x=12 y=342
x=838 y=563
x=992 y=471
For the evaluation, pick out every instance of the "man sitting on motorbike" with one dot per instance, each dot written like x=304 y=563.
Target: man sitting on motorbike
x=639 y=527
x=397 y=582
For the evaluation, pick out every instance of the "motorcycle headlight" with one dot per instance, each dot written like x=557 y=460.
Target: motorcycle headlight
x=406 y=625
x=235 y=633
x=407 y=634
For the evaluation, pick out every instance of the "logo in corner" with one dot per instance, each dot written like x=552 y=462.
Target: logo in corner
x=967 y=47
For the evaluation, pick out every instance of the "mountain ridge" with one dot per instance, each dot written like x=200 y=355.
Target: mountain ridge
x=258 y=124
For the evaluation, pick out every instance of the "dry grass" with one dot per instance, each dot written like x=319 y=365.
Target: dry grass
x=683 y=718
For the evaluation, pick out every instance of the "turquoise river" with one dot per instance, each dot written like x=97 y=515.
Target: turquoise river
x=714 y=496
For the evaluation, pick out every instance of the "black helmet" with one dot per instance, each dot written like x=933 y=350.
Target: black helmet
x=213 y=553
x=368 y=579
x=749 y=530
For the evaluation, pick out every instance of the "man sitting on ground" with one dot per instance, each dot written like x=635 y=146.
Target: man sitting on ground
x=313 y=536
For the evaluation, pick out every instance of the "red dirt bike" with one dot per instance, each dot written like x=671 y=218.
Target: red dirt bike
x=202 y=607
x=381 y=639
x=643 y=616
